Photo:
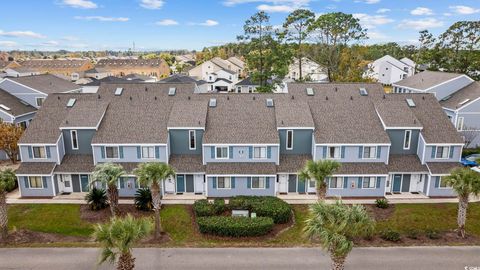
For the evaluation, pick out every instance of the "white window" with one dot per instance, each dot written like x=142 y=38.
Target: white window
x=35 y=182
x=259 y=152
x=368 y=182
x=258 y=182
x=39 y=101
x=39 y=152
x=289 y=139
x=74 y=137
x=239 y=89
x=369 y=152
x=443 y=183
x=407 y=139
x=224 y=182
x=111 y=152
x=221 y=152
x=192 y=140
x=333 y=152
x=460 y=123
x=148 y=152
x=336 y=182
x=442 y=152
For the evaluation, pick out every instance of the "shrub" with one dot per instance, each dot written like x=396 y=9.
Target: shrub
x=97 y=199
x=143 y=199
x=432 y=234
x=412 y=234
x=266 y=206
x=219 y=206
x=235 y=226
x=381 y=203
x=390 y=235
x=203 y=208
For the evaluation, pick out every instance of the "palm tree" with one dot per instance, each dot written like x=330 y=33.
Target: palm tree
x=319 y=171
x=108 y=174
x=118 y=237
x=7 y=182
x=465 y=182
x=152 y=174
x=336 y=225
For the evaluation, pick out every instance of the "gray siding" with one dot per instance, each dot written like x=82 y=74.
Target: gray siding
x=421 y=149
x=180 y=142
x=379 y=191
x=25 y=118
x=129 y=155
x=26 y=156
x=457 y=153
x=84 y=141
x=451 y=87
x=22 y=92
x=397 y=139
x=6 y=117
x=127 y=188
x=302 y=142
x=351 y=154
x=439 y=192
x=241 y=188
x=28 y=192
x=239 y=154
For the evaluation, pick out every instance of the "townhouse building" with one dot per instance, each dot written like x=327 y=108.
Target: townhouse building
x=157 y=68
x=70 y=68
x=388 y=70
x=224 y=145
x=218 y=74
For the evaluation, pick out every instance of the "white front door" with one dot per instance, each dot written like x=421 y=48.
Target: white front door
x=169 y=186
x=66 y=183
x=199 y=184
x=311 y=186
x=283 y=183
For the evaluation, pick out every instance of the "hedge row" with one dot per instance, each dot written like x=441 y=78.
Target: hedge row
x=264 y=206
x=203 y=208
x=235 y=226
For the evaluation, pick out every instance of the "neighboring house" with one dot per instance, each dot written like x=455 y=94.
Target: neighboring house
x=311 y=71
x=224 y=145
x=388 y=70
x=246 y=86
x=185 y=59
x=157 y=68
x=220 y=75
x=139 y=78
x=458 y=94
x=4 y=65
x=97 y=73
x=20 y=72
x=72 y=69
x=200 y=86
x=94 y=84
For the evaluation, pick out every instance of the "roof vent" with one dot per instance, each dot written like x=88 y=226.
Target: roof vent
x=146 y=89
x=118 y=91
x=410 y=102
x=172 y=91
x=253 y=97
x=363 y=92
x=269 y=102
x=351 y=97
x=212 y=103
x=336 y=89
x=4 y=107
x=310 y=92
x=463 y=102
x=71 y=102
x=293 y=97
x=98 y=96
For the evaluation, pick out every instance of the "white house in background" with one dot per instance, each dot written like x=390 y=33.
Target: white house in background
x=311 y=71
x=246 y=86
x=219 y=75
x=388 y=70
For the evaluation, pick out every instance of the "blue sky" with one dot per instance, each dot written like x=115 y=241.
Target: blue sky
x=194 y=24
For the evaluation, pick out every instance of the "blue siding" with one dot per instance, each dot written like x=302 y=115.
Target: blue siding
x=180 y=142
x=379 y=191
x=241 y=188
x=47 y=191
x=353 y=154
x=22 y=92
x=84 y=141
x=302 y=142
x=129 y=155
x=240 y=154
x=430 y=154
x=397 y=139
x=435 y=191
x=26 y=154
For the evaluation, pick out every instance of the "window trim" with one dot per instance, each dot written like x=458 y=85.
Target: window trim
x=335 y=177
x=440 y=184
x=266 y=155
x=216 y=152
x=460 y=128
x=312 y=181
x=118 y=152
x=36 y=101
x=44 y=150
x=374 y=182
x=260 y=178
x=76 y=138
x=141 y=151
x=409 y=139
x=448 y=152
x=375 y=153
x=225 y=178
x=339 y=152
x=29 y=183
x=287 y=139
x=194 y=139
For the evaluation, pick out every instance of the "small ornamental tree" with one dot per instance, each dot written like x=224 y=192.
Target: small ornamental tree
x=9 y=136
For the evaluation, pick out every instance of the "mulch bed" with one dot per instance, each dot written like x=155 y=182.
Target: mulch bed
x=104 y=214
x=380 y=214
x=28 y=237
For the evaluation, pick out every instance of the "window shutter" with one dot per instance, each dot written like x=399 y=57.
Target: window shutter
x=139 y=152
x=379 y=151
x=267 y=182
x=214 y=179
x=249 y=182
x=250 y=152
x=30 y=154
x=434 y=150
x=437 y=181
x=102 y=151
x=324 y=152
x=122 y=182
x=45 y=184
x=230 y=152
x=359 y=182
x=360 y=151
x=379 y=179
x=345 y=182
x=47 y=150
x=233 y=182
x=212 y=151
x=269 y=152
x=25 y=181
x=157 y=152
x=120 y=149
x=135 y=182
x=343 y=152
x=451 y=151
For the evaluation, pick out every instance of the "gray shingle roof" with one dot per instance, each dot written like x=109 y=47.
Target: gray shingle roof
x=396 y=113
x=241 y=168
x=117 y=63
x=178 y=78
x=188 y=113
x=85 y=113
x=16 y=105
x=442 y=167
x=54 y=63
x=186 y=163
x=427 y=79
x=46 y=83
x=293 y=113
x=470 y=92
x=362 y=168
x=35 y=168
x=292 y=163
x=76 y=164
x=405 y=164
x=247 y=82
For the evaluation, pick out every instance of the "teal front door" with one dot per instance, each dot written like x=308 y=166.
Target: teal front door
x=397 y=182
x=180 y=183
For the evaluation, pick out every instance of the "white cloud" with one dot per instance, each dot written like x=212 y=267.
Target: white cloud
x=371 y=21
x=70 y=38
x=465 y=10
x=367 y=1
x=27 y=34
x=275 y=8
x=80 y=4
x=421 y=11
x=209 y=23
x=383 y=10
x=152 y=4
x=447 y=14
x=377 y=35
x=166 y=22
x=102 y=18
x=7 y=43
x=50 y=43
x=421 y=24
x=296 y=3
